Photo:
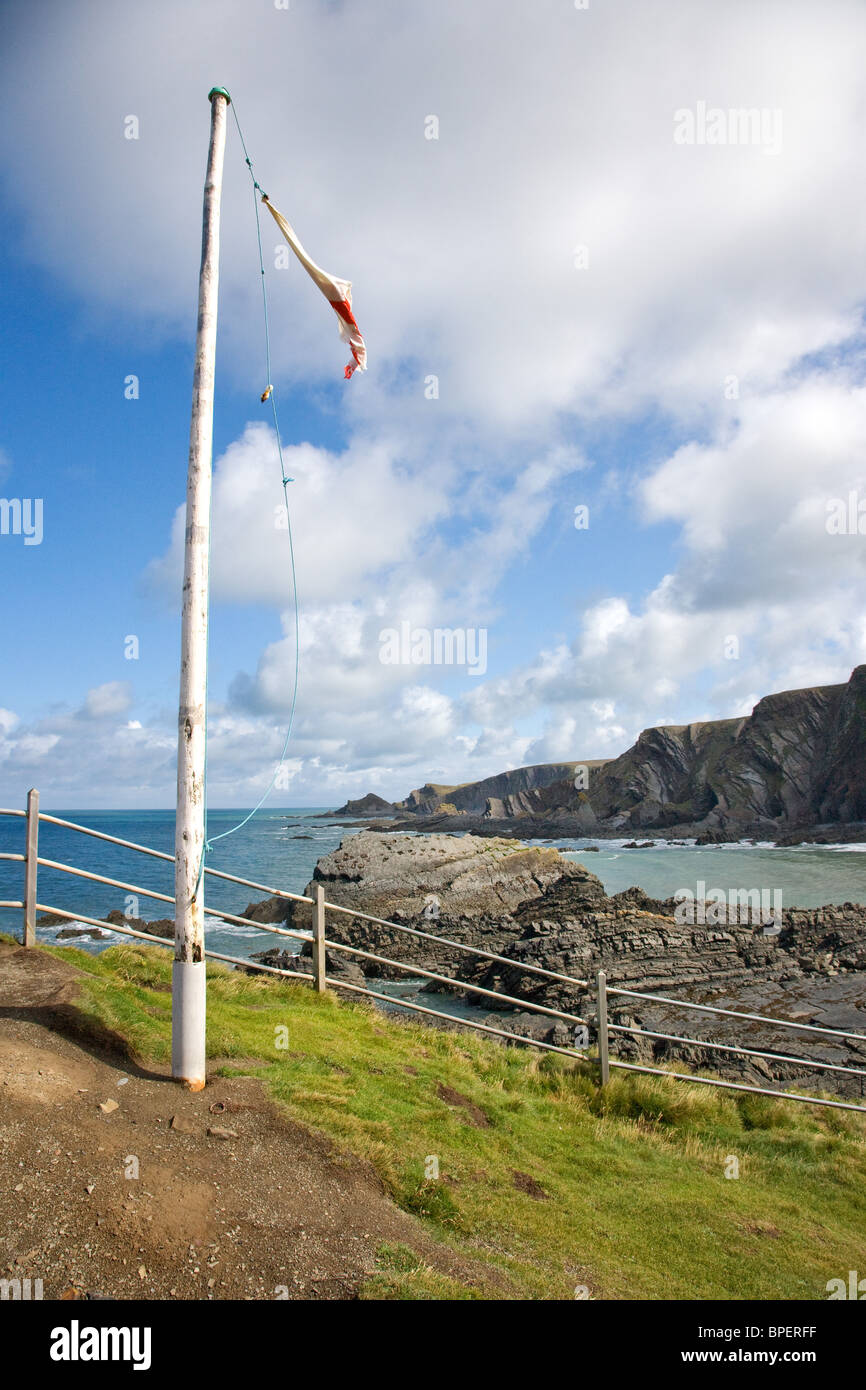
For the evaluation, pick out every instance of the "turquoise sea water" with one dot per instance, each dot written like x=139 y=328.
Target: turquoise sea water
x=280 y=848
x=806 y=875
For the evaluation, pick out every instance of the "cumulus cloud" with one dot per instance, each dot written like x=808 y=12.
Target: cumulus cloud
x=765 y=595
x=107 y=701
x=8 y=720
x=554 y=132
x=370 y=559
x=354 y=514
x=82 y=756
x=565 y=270
x=762 y=493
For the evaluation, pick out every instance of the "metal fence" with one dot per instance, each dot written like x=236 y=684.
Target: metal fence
x=319 y=979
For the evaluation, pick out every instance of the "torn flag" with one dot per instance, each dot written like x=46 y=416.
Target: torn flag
x=337 y=292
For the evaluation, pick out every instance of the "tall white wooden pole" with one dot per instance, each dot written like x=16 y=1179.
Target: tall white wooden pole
x=188 y=971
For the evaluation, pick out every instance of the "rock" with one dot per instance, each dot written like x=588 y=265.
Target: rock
x=108 y=1106
x=481 y=887
x=796 y=766
x=496 y=796
x=94 y=933
x=277 y=959
x=369 y=805
x=471 y=878
x=183 y=1125
x=269 y=910
x=812 y=837
x=337 y=963
x=219 y=1132
x=536 y=908
x=164 y=926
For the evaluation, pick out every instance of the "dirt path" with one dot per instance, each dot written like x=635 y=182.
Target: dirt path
x=270 y=1206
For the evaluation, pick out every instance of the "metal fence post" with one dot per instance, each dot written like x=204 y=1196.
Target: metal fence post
x=603 y=1054
x=30 y=867
x=319 y=969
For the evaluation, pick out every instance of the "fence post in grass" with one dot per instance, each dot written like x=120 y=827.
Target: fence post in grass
x=319 y=969
x=30 y=867
x=603 y=1054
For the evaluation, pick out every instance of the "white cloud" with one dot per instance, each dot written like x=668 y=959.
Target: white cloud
x=764 y=598
x=705 y=264
x=88 y=756
x=107 y=701
x=354 y=514
x=554 y=130
x=753 y=506
x=8 y=720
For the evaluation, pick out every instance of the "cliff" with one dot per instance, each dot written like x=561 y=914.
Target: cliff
x=476 y=798
x=797 y=762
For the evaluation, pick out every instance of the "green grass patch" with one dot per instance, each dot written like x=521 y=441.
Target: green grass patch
x=401 y=1274
x=543 y=1178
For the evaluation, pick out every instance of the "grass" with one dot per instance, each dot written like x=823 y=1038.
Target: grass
x=402 y=1275
x=621 y=1190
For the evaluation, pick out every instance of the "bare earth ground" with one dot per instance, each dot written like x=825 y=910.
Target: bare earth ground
x=276 y=1206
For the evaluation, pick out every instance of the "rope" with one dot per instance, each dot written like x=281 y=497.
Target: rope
x=268 y=394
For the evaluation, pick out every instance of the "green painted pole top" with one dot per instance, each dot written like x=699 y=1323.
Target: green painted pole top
x=218 y=92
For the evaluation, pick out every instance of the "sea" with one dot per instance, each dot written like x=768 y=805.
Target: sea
x=280 y=848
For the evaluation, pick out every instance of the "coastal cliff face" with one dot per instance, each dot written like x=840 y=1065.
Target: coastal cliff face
x=797 y=761
x=842 y=789
x=475 y=798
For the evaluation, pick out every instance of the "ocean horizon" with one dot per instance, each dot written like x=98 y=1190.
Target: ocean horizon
x=280 y=847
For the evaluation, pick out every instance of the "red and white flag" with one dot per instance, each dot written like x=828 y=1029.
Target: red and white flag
x=337 y=292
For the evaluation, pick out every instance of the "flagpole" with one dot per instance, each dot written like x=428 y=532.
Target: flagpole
x=188 y=970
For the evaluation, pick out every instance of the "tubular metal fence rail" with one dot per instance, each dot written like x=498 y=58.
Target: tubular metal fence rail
x=319 y=979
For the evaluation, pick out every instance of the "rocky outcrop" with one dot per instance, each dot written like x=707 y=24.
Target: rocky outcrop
x=163 y=926
x=665 y=779
x=369 y=805
x=87 y=933
x=268 y=911
x=466 y=889
x=534 y=905
x=336 y=963
x=797 y=762
x=487 y=797
x=538 y=909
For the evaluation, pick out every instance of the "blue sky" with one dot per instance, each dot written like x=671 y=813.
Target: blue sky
x=670 y=335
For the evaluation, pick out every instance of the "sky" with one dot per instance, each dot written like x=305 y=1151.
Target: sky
x=608 y=259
